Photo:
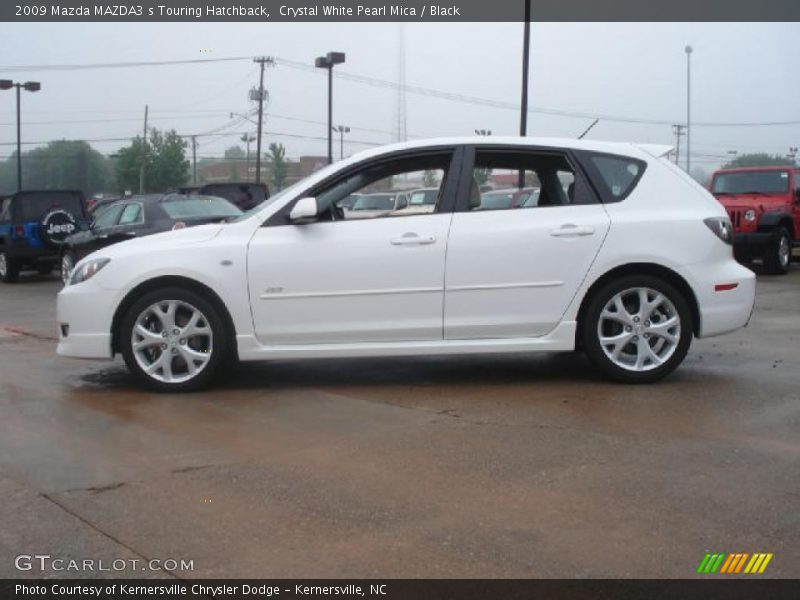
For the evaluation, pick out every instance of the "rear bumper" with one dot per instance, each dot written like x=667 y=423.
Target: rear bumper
x=722 y=310
x=31 y=254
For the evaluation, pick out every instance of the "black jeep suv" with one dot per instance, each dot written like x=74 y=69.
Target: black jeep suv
x=33 y=226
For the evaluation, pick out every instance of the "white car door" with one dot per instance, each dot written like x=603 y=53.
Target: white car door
x=348 y=281
x=513 y=272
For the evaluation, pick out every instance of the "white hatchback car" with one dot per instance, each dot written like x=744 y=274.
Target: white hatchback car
x=623 y=256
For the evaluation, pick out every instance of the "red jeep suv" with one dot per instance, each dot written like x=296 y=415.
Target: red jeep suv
x=764 y=207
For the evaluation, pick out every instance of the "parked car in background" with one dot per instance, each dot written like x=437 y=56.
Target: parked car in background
x=138 y=216
x=498 y=199
x=764 y=207
x=33 y=227
x=368 y=206
x=420 y=201
x=597 y=269
x=347 y=202
x=245 y=195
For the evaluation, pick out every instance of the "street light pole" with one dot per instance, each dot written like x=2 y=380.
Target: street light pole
x=341 y=129
x=523 y=114
x=28 y=86
x=688 y=51
x=327 y=62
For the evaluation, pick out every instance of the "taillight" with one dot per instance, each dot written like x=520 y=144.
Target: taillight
x=721 y=226
x=19 y=231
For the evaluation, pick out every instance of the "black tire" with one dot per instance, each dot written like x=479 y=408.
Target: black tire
x=45 y=268
x=776 y=261
x=219 y=346
x=9 y=268
x=591 y=338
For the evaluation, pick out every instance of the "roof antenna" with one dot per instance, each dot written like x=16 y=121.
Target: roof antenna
x=588 y=129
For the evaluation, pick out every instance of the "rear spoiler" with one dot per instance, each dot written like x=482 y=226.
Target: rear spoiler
x=656 y=150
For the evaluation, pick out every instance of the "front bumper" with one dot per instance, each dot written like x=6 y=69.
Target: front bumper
x=85 y=314
x=722 y=310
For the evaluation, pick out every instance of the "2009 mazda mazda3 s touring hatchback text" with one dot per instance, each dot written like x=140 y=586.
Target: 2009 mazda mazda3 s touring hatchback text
x=620 y=254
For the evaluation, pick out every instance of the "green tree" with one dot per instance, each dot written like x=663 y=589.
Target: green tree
x=279 y=167
x=482 y=175
x=163 y=157
x=235 y=153
x=759 y=159
x=429 y=179
x=62 y=164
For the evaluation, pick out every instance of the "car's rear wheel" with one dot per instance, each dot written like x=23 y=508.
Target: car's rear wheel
x=637 y=329
x=67 y=264
x=9 y=269
x=173 y=340
x=778 y=257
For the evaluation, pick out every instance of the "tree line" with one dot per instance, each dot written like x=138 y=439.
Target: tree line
x=160 y=162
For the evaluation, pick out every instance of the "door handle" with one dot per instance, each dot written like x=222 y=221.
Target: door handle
x=412 y=239
x=571 y=230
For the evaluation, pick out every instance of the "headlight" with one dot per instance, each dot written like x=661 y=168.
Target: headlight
x=87 y=270
x=750 y=215
x=721 y=226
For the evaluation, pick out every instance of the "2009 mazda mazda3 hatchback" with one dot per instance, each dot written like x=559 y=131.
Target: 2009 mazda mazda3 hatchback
x=622 y=255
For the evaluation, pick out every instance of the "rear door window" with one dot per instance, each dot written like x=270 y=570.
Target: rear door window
x=131 y=214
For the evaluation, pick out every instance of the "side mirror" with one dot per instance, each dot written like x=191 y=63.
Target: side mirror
x=304 y=211
x=85 y=225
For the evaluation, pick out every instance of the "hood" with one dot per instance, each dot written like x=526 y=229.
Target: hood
x=162 y=241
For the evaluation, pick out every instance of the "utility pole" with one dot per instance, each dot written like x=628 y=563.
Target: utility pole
x=194 y=160
x=144 y=152
x=678 y=130
x=262 y=62
x=688 y=51
x=526 y=47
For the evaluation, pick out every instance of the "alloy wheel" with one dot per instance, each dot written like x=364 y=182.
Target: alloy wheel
x=784 y=251
x=172 y=341
x=639 y=329
x=67 y=264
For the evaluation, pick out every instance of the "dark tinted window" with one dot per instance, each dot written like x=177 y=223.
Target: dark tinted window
x=5 y=210
x=751 y=182
x=31 y=206
x=619 y=174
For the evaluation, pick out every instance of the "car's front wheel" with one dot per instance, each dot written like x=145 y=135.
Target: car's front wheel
x=173 y=340
x=67 y=264
x=637 y=329
x=9 y=269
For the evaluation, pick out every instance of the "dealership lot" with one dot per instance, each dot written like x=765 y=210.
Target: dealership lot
x=483 y=466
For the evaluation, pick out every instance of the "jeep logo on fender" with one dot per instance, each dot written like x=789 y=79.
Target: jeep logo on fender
x=57 y=225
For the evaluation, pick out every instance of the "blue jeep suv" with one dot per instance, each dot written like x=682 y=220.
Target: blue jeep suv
x=33 y=226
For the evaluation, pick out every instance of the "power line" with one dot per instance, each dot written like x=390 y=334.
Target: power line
x=411 y=89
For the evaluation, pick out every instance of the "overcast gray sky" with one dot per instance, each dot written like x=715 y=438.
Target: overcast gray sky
x=741 y=73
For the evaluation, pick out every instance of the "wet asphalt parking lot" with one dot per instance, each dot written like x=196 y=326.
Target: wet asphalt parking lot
x=498 y=466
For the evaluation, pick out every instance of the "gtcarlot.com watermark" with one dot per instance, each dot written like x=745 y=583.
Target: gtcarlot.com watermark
x=46 y=562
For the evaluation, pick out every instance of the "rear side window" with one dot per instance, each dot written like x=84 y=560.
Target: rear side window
x=618 y=174
x=31 y=206
x=187 y=207
x=5 y=210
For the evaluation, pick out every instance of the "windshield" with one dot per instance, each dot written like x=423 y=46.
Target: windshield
x=421 y=197
x=375 y=202
x=751 y=182
x=188 y=207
